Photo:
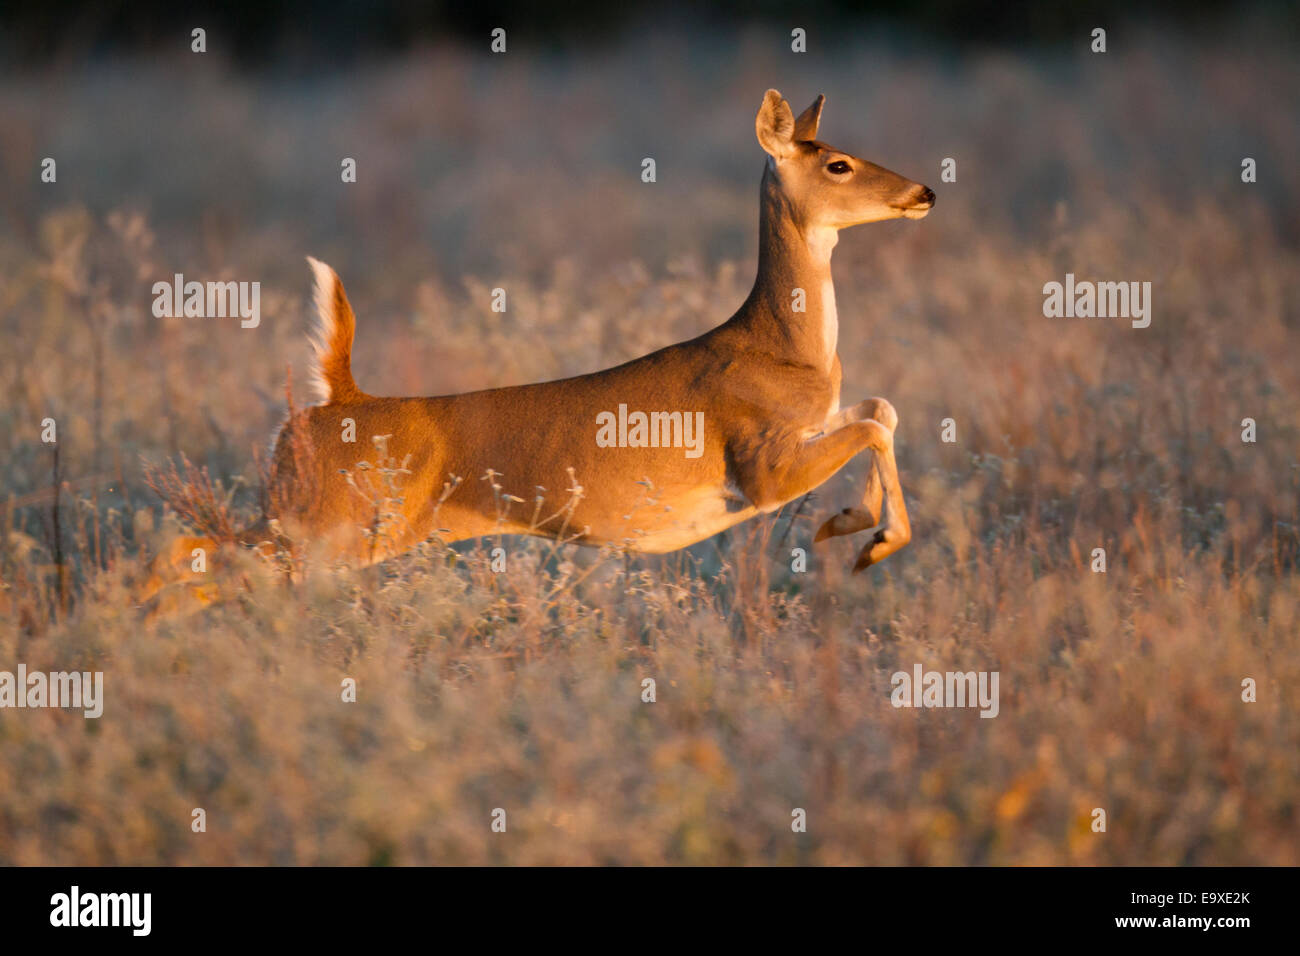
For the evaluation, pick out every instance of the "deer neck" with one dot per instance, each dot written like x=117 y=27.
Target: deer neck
x=791 y=258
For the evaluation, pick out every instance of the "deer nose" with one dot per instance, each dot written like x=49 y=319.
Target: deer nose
x=927 y=196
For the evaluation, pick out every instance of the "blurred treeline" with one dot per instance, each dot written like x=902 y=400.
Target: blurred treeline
x=322 y=33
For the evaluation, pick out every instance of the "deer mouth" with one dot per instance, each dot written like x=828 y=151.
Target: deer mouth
x=918 y=209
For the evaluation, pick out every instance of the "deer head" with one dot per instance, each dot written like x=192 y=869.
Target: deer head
x=822 y=187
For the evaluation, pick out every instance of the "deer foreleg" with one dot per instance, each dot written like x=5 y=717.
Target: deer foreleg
x=868 y=513
x=896 y=529
x=817 y=458
x=788 y=474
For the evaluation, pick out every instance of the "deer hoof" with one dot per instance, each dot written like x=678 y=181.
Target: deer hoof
x=848 y=521
x=868 y=556
x=883 y=543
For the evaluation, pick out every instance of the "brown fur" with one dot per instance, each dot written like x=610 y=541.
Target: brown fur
x=767 y=381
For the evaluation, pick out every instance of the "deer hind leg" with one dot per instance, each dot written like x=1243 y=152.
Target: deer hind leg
x=183 y=577
x=176 y=579
x=868 y=513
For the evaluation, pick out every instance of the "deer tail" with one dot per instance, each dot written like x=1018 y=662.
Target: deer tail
x=335 y=328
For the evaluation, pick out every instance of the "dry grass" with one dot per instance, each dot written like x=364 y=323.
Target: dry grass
x=522 y=690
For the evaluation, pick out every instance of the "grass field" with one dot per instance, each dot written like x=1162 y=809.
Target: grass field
x=523 y=690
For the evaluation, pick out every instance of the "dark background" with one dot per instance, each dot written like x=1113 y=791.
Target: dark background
x=310 y=33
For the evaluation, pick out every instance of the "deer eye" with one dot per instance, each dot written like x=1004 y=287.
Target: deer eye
x=838 y=167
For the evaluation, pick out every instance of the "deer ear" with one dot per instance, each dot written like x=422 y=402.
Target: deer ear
x=805 y=127
x=775 y=126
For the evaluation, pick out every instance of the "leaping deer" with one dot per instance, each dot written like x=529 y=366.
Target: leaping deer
x=767 y=382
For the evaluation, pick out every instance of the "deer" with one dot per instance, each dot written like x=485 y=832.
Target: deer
x=764 y=385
